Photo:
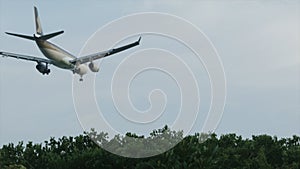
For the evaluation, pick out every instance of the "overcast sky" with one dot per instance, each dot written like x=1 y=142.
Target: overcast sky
x=257 y=41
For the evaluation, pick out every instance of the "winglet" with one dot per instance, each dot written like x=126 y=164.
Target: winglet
x=139 y=40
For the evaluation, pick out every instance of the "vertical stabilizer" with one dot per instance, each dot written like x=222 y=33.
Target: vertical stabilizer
x=38 y=26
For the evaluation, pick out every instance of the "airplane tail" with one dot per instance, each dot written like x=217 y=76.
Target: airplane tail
x=38 y=25
x=38 y=30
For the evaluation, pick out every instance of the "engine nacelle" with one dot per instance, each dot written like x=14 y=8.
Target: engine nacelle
x=81 y=69
x=93 y=67
x=42 y=68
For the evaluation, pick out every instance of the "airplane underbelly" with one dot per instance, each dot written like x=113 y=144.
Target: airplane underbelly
x=60 y=59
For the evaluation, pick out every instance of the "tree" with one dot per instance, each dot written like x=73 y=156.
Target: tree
x=194 y=151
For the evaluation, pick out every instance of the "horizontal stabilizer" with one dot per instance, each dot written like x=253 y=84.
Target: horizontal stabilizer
x=44 y=37
x=21 y=36
x=51 y=35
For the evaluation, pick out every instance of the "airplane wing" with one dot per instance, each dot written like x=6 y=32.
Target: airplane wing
x=103 y=54
x=25 y=57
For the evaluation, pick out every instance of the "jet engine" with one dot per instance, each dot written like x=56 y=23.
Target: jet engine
x=42 y=68
x=81 y=69
x=93 y=67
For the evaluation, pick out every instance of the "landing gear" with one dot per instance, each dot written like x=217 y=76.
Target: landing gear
x=47 y=71
x=81 y=79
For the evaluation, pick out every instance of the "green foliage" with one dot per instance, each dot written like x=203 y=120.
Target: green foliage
x=196 y=151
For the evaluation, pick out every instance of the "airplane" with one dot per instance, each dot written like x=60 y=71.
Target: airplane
x=58 y=56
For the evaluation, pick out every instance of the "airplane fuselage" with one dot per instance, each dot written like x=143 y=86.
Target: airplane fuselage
x=60 y=57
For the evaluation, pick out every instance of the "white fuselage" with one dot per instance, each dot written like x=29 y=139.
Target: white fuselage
x=60 y=57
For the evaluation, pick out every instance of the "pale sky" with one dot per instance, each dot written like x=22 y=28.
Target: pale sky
x=257 y=41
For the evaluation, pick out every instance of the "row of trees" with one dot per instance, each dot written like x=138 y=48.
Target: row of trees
x=226 y=151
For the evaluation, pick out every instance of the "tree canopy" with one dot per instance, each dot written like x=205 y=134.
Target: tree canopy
x=196 y=151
